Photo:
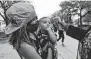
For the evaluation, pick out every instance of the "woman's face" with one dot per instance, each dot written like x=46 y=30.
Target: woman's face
x=44 y=23
x=32 y=26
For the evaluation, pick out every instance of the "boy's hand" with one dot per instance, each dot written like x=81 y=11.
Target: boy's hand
x=50 y=27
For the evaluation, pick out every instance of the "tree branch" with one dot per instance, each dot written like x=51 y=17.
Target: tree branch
x=2 y=15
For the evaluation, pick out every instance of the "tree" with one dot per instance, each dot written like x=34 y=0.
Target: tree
x=5 y=5
x=67 y=10
x=81 y=6
x=75 y=7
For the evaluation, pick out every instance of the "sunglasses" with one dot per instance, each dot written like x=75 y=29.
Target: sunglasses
x=34 y=19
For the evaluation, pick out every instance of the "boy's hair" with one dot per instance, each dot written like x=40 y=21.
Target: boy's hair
x=42 y=18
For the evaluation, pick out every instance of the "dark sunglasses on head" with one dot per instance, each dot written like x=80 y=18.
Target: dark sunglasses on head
x=35 y=18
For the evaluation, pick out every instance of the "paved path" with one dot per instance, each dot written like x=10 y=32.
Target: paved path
x=7 y=51
x=68 y=52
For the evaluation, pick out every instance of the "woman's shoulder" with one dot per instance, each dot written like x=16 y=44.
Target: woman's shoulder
x=89 y=33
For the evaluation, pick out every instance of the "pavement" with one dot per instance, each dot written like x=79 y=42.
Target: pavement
x=67 y=52
x=70 y=49
x=7 y=51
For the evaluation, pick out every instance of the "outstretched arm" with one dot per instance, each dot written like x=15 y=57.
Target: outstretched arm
x=74 y=32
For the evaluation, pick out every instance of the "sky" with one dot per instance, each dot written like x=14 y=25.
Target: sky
x=46 y=7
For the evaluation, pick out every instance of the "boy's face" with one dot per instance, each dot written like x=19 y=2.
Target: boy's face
x=44 y=23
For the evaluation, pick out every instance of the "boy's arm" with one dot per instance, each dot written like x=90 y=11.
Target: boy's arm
x=49 y=56
x=52 y=35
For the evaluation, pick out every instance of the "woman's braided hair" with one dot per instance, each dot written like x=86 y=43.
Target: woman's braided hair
x=18 y=36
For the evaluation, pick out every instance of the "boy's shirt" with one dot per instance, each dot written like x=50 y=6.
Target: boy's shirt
x=43 y=38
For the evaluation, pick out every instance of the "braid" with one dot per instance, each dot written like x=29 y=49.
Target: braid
x=14 y=40
x=25 y=35
x=18 y=36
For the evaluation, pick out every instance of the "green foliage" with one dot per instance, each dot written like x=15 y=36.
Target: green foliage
x=71 y=8
x=5 y=5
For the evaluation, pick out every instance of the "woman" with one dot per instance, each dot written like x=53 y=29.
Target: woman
x=22 y=18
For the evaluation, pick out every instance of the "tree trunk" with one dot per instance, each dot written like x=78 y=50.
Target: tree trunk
x=80 y=18
x=6 y=19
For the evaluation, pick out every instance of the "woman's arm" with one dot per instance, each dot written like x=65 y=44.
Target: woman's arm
x=74 y=32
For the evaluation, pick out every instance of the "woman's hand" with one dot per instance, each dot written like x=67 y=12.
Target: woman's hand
x=63 y=25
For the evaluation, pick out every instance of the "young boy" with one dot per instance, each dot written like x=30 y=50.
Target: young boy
x=47 y=38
